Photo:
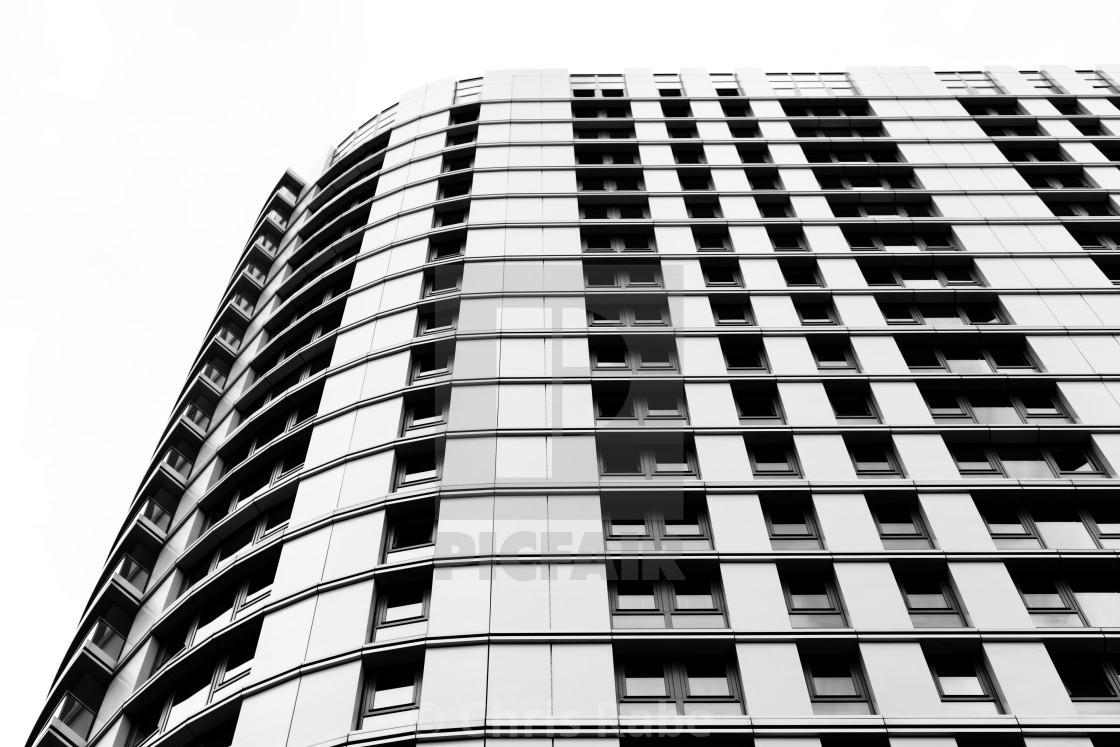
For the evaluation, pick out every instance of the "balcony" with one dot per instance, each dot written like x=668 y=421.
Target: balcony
x=132 y=572
x=178 y=463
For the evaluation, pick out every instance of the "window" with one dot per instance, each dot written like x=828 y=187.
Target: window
x=825 y=108
x=676 y=109
x=464 y=136
x=815 y=313
x=634 y=404
x=1033 y=153
x=725 y=84
x=688 y=154
x=711 y=239
x=444 y=247
x=919 y=276
x=1088 y=676
x=1049 y=600
x=630 y=275
x=1082 y=209
x=942 y=314
x=966 y=359
x=880 y=209
x=426 y=408
x=449 y=217
x=800 y=274
x=996 y=407
x=744 y=131
x=971 y=82
x=694 y=601
x=468 y=90
x=731 y=310
x=874 y=460
x=389 y=689
x=773 y=460
x=1025 y=462
x=832 y=356
x=994 y=108
x=775 y=207
x=930 y=599
x=443 y=278
x=718 y=273
x=596 y=155
x=431 y=360
x=837 y=154
x=812 y=599
x=833 y=131
x=962 y=678
x=402 y=599
x=639 y=312
x=900 y=525
x=630 y=241
x=455 y=187
x=791 y=525
x=418 y=465
x=924 y=241
x=1017 y=129
x=457 y=161
x=617 y=181
x=695 y=180
x=601 y=110
x=836 y=683
x=1039 y=81
x=764 y=180
x=687 y=686
x=1010 y=527
x=699 y=208
x=812 y=84
x=754 y=153
x=613 y=131
x=1110 y=270
x=656 y=522
x=787 y=240
x=682 y=131
x=852 y=405
x=1097 y=238
x=605 y=86
x=411 y=531
x=634 y=354
x=757 y=403
x=623 y=458
x=860 y=178
x=434 y=318
x=743 y=353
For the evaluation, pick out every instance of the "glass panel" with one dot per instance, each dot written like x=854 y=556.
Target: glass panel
x=707 y=680
x=839 y=686
x=392 y=697
x=961 y=686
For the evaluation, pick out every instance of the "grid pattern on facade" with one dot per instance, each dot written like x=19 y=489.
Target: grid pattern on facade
x=775 y=408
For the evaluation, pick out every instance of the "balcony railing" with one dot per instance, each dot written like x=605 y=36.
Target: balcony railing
x=195 y=414
x=156 y=514
x=74 y=715
x=178 y=463
x=134 y=573
x=106 y=638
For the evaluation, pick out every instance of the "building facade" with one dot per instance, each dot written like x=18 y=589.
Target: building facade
x=771 y=409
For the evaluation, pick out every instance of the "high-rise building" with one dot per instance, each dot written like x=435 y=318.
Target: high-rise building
x=771 y=409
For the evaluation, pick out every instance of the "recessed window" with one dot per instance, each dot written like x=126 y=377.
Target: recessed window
x=874 y=460
x=438 y=317
x=445 y=248
x=900 y=525
x=772 y=460
x=411 y=531
x=630 y=275
x=426 y=408
x=1081 y=209
x=613 y=210
x=962 y=678
x=389 y=689
x=753 y=153
x=432 y=360
x=924 y=241
x=633 y=354
x=417 y=465
x=787 y=240
x=600 y=155
x=830 y=356
x=687 y=154
x=689 y=686
x=621 y=242
x=615 y=182
x=402 y=600
x=791 y=525
x=852 y=405
x=741 y=353
x=930 y=599
x=815 y=313
x=700 y=208
x=967 y=359
x=859 y=178
x=636 y=313
x=622 y=458
x=633 y=404
x=731 y=310
x=812 y=599
x=719 y=273
x=695 y=180
x=799 y=274
x=643 y=523
x=1026 y=462
x=764 y=180
x=1049 y=600
x=775 y=208
x=836 y=683
x=694 y=601
x=919 y=276
x=711 y=240
x=1088 y=677
x=757 y=403
x=1011 y=528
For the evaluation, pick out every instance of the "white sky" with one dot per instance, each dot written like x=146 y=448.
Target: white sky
x=137 y=143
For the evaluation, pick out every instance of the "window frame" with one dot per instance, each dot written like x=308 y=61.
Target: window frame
x=665 y=603
x=369 y=692
x=856 y=673
x=920 y=616
x=793 y=468
x=656 y=535
x=903 y=540
x=647 y=462
x=675 y=678
x=832 y=592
